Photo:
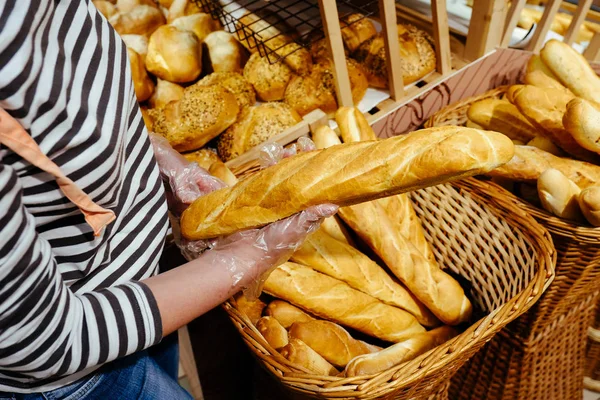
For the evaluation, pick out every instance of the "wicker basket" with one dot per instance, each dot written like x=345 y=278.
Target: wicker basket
x=545 y=358
x=592 y=366
x=476 y=232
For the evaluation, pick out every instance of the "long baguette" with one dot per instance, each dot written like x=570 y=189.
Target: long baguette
x=344 y=175
x=341 y=261
x=334 y=300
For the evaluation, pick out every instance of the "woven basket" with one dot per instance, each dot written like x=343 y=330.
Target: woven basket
x=545 y=358
x=476 y=232
x=592 y=355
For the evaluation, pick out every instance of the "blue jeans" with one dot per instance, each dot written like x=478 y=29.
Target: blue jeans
x=147 y=375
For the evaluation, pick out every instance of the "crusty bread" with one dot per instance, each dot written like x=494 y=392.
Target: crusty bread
x=317 y=89
x=224 y=52
x=471 y=124
x=353 y=125
x=174 y=55
x=334 y=300
x=416 y=51
x=141 y=20
x=221 y=171
x=535 y=63
x=268 y=79
x=558 y=194
x=545 y=109
x=342 y=261
x=331 y=341
x=582 y=121
x=202 y=114
x=530 y=162
x=251 y=308
x=273 y=332
x=572 y=69
x=143 y=85
x=345 y=175
x=126 y=6
x=398 y=353
x=106 y=8
x=165 y=93
x=501 y=116
x=204 y=157
x=139 y=43
x=334 y=228
x=356 y=29
x=286 y=313
x=299 y=353
x=180 y=8
x=545 y=144
x=235 y=83
x=255 y=126
x=199 y=24
x=541 y=80
x=589 y=202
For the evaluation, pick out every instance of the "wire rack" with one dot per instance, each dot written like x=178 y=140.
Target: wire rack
x=297 y=23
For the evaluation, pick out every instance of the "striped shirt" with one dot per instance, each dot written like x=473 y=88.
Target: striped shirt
x=70 y=301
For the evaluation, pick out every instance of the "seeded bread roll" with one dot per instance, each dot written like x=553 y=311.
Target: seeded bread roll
x=269 y=80
x=165 y=93
x=235 y=83
x=174 y=55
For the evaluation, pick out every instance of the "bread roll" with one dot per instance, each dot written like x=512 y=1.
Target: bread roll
x=582 y=121
x=174 y=55
x=299 y=353
x=416 y=51
x=142 y=83
x=316 y=90
x=589 y=202
x=572 y=70
x=471 y=124
x=286 y=313
x=126 y=6
x=346 y=174
x=202 y=114
x=545 y=108
x=255 y=126
x=165 y=93
x=530 y=162
x=331 y=341
x=200 y=25
x=543 y=81
x=224 y=52
x=558 y=194
x=141 y=20
x=334 y=228
x=235 y=83
x=204 y=157
x=342 y=261
x=251 y=308
x=501 y=116
x=334 y=300
x=353 y=125
x=269 y=80
x=545 y=144
x=273 y=332
x=221 y=171
x=356 y=29
x=398 y=353
x=106 y=8
x=535 y=63
x=138 y=43
x=180 y=8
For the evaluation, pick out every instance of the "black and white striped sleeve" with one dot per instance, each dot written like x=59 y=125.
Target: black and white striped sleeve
x=46 y=330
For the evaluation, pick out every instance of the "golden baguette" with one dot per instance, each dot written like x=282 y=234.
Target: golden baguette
x=334 y=300
x=398 y=353
x=252 y=308
x=334 y=228
x=502 y=116
x=546 y=144
x=273 y=332
x=344 y=175
x=299 y=353
x=331 y=341
x=589 y=202
x=582 y=121
x=558 y=195
x=341 y=261
x=530 y=162
x=353 y=125
x=535 y=63
x=543 y=81
x=286 y=313
x=572 y=70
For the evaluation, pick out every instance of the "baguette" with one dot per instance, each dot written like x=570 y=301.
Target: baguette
x=252 y=308
x=334 y=228
x=543 y=81
x=341 y=261
x=345 y=175
x=572 y=70
x=334 y=300
x=558 y=195
x=286 y=313
x=530 y=162
x=273 y=332
x=589 y=202
x=582 y=121
x=331 y=341
x=502 y=116
x=221 y=171
x=535 y=63
x=546 y=144
x=385 y=359
x=353 y=125
x=299 y=353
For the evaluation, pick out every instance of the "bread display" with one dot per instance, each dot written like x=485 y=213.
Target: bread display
x=203 y=157
x=251 y=308
x=335 y=228
x=255 y=125
x=268 y=79
x=273 y=332
x=143 y=85
x=357 y=172
x=535 y=63
x=220 y=170
x=202 y=113
x=356 y=30
x=141 y=20
x=286 y=313
x=235 y=83
x=299 y=353
x=502 y=116
x=174 y=55
x=582 y=121
x=558 y=194
x=224 y=52
x=334 y=300
x=199 y=24
x=541 y=80
x=165 y=93
x=416 y=50
x=589 y=203
x=543 y=143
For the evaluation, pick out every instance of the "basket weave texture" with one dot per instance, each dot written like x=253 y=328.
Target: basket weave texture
x=592 y=355
x=542 y=354
x=476 y=232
